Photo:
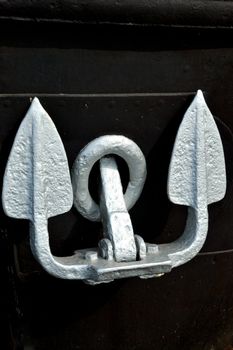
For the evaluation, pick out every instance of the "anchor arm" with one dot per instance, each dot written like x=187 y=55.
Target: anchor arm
x=190 y=243
x=71 y=267
x=197 y=177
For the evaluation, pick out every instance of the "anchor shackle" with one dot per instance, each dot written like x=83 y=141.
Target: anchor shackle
x=119 y=242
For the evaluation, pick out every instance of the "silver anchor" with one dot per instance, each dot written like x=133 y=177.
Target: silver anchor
x=37 y=186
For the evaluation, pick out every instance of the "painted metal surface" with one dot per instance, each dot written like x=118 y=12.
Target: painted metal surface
x=197 y=177
x=117 y=226
x=37 y=186
x=190 y=308
x=175 y=13
x=94 y=151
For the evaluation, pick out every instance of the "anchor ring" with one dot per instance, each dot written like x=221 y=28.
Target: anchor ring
x=90 y=154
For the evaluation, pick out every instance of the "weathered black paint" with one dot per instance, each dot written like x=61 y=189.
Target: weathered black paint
x=191 y=308
x=153 y=12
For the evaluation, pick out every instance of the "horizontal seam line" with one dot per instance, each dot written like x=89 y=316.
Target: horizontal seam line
x=133 y=94
x=217 y=252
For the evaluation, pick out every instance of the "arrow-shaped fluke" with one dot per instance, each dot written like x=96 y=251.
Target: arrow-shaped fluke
x=197 y=174
x=197 y=177
x=37 y=179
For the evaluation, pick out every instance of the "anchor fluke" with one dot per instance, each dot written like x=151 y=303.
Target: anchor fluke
x=37 y=180
x=197 y=172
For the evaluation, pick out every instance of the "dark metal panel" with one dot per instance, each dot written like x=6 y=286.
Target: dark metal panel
x=191 y=308
x=171 y=312
x=188 y=309
x=86 y=70
x=156 y=12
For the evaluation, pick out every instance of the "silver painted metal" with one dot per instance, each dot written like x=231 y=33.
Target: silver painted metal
x=94 y=151
x=37 y=186
x=197 y=178
x=116 y=221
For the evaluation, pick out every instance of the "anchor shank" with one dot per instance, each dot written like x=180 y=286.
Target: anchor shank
x=115 y=217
